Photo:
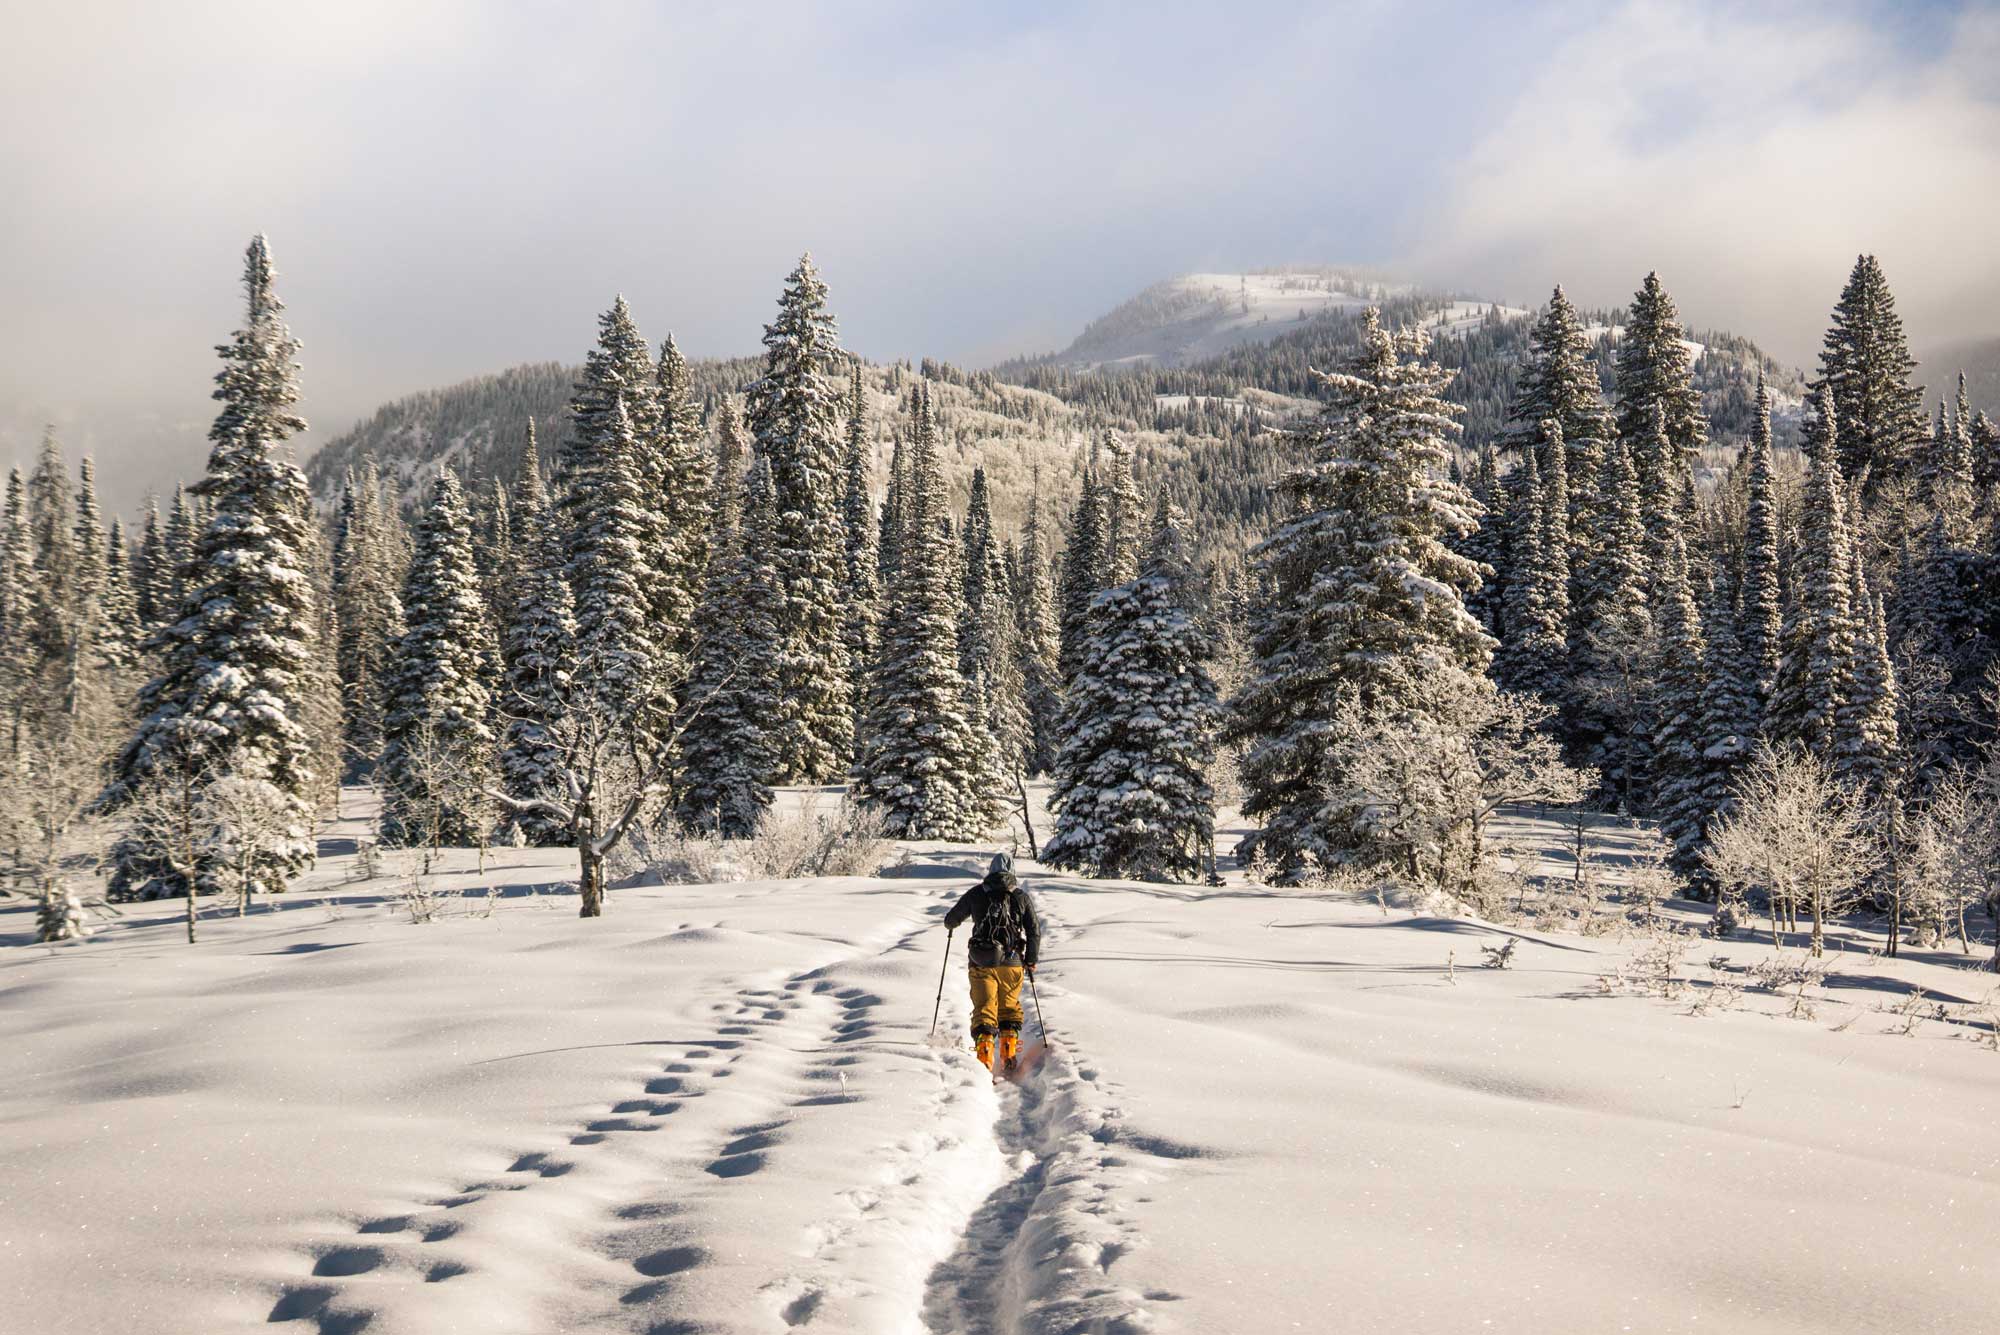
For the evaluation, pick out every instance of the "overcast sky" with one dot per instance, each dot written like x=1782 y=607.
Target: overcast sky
x=451 y=188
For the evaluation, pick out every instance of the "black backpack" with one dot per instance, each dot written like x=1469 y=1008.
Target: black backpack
x=1000 y=925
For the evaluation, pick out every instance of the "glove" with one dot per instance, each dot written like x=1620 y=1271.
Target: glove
x=1031 y=970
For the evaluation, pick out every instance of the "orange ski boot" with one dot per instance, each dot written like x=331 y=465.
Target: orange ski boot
x=1010 y=1050
x=982 y=1047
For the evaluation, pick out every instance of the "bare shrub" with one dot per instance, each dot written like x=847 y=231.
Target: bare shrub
x=421 y=900
x=1500 y=956
x=850 y=840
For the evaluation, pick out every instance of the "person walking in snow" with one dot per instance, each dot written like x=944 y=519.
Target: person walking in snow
x=1006 y=941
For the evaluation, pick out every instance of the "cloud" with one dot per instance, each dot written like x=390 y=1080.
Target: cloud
x=455 y=186
x=1749 y=155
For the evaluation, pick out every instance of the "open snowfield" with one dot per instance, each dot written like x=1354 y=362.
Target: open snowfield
x=715 y=1109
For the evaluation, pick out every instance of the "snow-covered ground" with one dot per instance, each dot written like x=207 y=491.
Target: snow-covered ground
x=716 y=1109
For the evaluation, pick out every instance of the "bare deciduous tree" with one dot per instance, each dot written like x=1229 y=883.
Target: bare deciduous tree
x=1796 y=834
x=1426 y=783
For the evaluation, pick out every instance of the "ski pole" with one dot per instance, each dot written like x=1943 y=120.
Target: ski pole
x=938 y=1005
x=1035 y=992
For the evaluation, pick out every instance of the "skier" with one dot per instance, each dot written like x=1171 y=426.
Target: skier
x=1006 y=940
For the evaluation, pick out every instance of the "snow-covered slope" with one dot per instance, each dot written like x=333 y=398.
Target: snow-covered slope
x=1199 y=315
x=716 y=1110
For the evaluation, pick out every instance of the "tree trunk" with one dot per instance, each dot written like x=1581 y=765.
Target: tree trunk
x=189 y=880
x=590 y=880
x=1818 y=924
x=1027 y=821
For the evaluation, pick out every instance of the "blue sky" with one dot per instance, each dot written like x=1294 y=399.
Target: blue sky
x=455 y=187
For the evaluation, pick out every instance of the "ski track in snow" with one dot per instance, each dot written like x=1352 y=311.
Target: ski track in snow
x=1015 y=1227
x=1038 y=1253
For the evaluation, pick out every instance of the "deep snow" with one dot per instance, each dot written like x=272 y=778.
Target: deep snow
x=717 y=1109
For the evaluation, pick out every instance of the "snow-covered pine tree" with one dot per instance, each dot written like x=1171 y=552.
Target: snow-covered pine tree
x=724 y=757
x=1730 y=714
x=1613 y=632
x=1867 y=746
x=605 y=549
x=978 y=547
x=1761 y=621
x=989 y=657
x=236 y=663
x=1816 y=667
x=1359 y=590
x=732 y=460
x=370 y=562
x=1865 y=360
x=1676 y=745
x=1654 y=377
x=1132 y=796
x=183 y=536
x=894 y=518
x=861 y=592
x=52 y=522
x=794 y=415
x=1082 y=571
x=87 y=556
x=925 y=761
x=1559 y=383
x=1666 y=492
x=1124 y=516
x=437 y=735
x=604 y=476
x=536 y=655
x=119 y=627
x=1486 y=545
x=1534 y=657
x=18 y=597
x=493 y=533
x=152 y=579
x=1038 y=642
x=680 y=507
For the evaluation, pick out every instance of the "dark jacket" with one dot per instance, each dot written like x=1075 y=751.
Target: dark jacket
x=972 y=904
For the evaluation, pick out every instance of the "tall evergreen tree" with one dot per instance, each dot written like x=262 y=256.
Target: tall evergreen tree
x=1534 y=656
x=436 y=727
x=680 y=509
x=1762 y=617
x=602 y=479
x=119 y=627
x=1486 y=545
x=794 y=414
x=1677 y=746
x=606 y=567
x=1656 y=380
x=183 y=536
x=724 y=760
x=236 y=664
x=1559 y=383
x=536 y=653
x=1124 y=516
x=152 y=573
x=1360 y=589
x=1730 y=712
x=370 y=562
x=1082 y=567
x=1613 y=632
x=1038 y=642
x=1868 y=741
x=1132 y=794
x=732 y=460
x=924 y=758
x=1815 y=674
x=1865 y=361
x=861 y=591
